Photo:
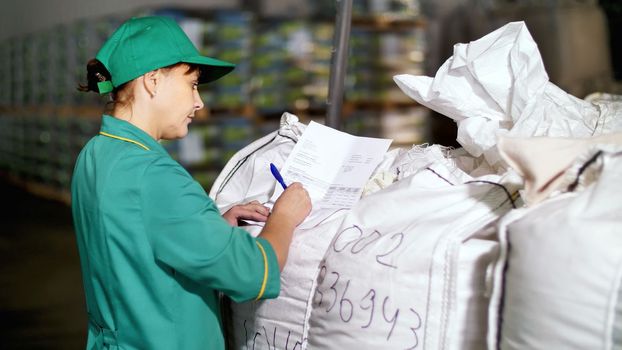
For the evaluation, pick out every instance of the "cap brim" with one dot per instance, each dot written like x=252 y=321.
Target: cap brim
x=211 y=68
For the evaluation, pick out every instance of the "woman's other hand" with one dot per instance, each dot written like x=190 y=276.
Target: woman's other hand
x=254 y=211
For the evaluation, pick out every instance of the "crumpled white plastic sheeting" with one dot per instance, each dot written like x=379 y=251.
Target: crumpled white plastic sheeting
x=558 y=277
x=455 y=165
x=498 y=84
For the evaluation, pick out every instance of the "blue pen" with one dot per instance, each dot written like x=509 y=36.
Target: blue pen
x=277 y=175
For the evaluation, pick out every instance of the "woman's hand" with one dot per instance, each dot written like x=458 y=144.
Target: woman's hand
x=250 y=211
x=289 y=211
x=293 y=205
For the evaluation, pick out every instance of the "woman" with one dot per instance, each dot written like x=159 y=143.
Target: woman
x=154 y=248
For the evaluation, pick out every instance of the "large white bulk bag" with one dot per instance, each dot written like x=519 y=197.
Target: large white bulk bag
x=557 y=282
x=407 y=267
x=457 y=300
x=275 y=323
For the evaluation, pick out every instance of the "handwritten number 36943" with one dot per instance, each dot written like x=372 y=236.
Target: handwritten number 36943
x=367 y=302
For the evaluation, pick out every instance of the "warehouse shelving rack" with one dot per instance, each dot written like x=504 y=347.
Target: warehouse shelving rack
x=62 y=123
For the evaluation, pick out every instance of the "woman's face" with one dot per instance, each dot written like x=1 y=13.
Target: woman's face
x=177 y=99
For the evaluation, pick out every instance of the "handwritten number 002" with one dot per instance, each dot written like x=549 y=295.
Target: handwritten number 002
x=401 y=236
x=360 y=242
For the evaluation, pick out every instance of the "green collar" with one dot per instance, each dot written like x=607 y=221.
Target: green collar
x=123 y=131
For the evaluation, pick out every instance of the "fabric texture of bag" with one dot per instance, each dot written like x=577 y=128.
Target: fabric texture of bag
x=447 y=233
x=275 y=323
x=557 y=281
x=407 y=267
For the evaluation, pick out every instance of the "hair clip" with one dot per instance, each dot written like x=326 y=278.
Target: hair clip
x=104 y=86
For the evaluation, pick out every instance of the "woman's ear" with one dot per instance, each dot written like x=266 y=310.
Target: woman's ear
x=151 y=80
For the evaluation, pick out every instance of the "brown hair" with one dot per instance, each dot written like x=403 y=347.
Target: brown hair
x=96 y=72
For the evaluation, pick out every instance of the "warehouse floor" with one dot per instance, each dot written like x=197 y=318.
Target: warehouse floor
x=41 y=296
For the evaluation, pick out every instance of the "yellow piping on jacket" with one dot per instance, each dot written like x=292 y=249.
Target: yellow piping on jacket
x=265 y=271
x=124 y=139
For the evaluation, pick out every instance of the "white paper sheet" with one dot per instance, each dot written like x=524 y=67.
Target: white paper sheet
x=333 y=166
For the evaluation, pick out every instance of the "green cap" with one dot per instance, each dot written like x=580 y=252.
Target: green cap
x=143 y=44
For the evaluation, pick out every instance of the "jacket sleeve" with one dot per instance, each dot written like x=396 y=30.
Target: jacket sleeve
x=189 y=235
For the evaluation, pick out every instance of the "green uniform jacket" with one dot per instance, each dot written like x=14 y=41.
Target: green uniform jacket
x=154 y=248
